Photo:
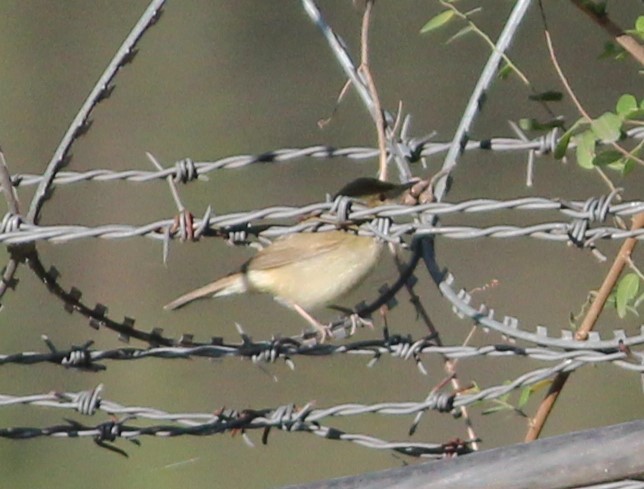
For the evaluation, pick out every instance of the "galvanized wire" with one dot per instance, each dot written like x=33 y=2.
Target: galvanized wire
x=101 y=91
x=556 y=231
x=615 y=351
x=477 y=98
x=187 y=170
x=510 y=327
x=14 y=231
x=285 y=349
x=623 y=484
x=287 y=418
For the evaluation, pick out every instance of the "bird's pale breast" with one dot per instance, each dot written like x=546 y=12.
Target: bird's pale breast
x=323 y=271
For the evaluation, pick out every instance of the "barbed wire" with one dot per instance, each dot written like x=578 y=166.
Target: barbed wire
x=342 y=327
x=13 y=230
x=285 y=349
x=187 y=170
x=509 y=326
x=436 y=401
x=556 y=231
x=478 y=96
x=102 y=90
x=287 y=418
x=238 y=225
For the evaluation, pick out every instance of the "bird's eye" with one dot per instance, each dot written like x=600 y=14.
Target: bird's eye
x=382 y=197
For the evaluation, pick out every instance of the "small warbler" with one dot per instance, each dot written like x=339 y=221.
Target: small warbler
x=306 y=271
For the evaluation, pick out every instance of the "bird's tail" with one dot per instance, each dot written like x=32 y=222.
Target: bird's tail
x=231 y=284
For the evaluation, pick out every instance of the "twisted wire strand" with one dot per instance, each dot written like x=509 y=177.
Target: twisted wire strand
x=404 y=348
x=438 y=402
x=13 y=230
x=509 y=327
x=187 y=170
x=287 y=418
x=477 y=98
x=283 y=417
x=557 y=231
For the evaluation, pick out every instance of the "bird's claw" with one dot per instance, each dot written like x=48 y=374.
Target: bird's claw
x=357 y=320
x=323 y=331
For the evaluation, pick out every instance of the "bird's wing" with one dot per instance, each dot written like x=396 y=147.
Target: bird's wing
x=297 y=248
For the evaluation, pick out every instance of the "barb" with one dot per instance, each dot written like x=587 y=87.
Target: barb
x=11 y=198
x=187 y=170
x=509 y=326
x=256 y=223
x=96 y=315
x=286 y=418
x=404 y=348
x=478 y=95
x=342 y=55
x=100 y=92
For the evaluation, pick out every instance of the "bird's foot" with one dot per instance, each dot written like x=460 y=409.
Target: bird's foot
x=323 y=331
x=357 y=320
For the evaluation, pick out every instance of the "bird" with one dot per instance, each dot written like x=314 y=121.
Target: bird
x=306 y=271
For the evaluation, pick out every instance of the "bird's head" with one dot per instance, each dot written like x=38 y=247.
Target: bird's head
x=373 y=192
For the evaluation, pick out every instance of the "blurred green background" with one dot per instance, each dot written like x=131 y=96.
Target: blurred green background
x=219 y=78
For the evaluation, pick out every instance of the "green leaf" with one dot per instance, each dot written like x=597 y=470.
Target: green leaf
x=526 y=392
x=548 y=96
x=619 y=165
x=635 y=114
x=527 y=124
x=626 y=104
x=627 y=290
x=562 y=144
x=607 y=127
x=505 y=71
x=438 y=21
x=612 y=50
x=564 y=140
x=629 y=166
x=495 y=409
x=607 y=157
x=465 y=30
x=627 y=107
x=598 y=8
x=535 y=125
x=585 y=150
x=639 y=25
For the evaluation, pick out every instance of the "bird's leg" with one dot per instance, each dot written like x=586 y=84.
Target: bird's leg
x=323 y=330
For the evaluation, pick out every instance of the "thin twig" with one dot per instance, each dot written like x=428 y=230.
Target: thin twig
x=571 y=93
x=449 y=364
x=485 y=37
x=621 y=260
x=366 y=72
x=629 y=43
